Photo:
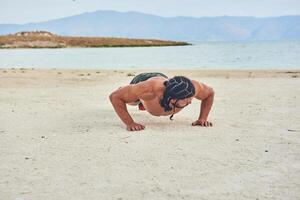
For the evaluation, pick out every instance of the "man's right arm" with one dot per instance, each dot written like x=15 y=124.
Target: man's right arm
x=128 y=94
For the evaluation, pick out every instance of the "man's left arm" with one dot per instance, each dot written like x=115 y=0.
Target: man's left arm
x=206 y=95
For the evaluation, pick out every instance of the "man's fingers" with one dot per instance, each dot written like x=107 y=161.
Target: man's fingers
x=135 y=127
x=132 y=128
x=202 y=123
x=209 y=124
x=196 y=123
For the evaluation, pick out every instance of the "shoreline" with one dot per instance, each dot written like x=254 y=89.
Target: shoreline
x=242 y=73
x=31 y=77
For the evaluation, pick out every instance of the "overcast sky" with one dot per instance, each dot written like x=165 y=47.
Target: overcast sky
x=25 y=11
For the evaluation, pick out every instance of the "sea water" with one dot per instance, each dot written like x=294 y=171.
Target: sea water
x=200 y=55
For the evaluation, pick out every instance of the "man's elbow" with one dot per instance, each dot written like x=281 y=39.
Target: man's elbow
x=212 y=92
x=115 y=98
x=112 y=96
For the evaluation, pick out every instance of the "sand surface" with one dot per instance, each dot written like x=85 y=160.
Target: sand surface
x=60 y=139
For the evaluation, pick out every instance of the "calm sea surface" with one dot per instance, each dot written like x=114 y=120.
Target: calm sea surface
x=206 y=55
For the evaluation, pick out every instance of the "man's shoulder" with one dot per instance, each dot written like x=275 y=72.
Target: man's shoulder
x=198 y=86
x=145 y=89
x=200 y=89
x=157 y=84
x=152 y=87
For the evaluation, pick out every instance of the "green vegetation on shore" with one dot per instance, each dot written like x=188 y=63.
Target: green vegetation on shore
x=43 y=39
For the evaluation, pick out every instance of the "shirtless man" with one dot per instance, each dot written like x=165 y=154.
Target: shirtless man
x=161 y=96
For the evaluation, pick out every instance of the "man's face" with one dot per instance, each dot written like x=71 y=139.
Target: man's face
x=181 y=103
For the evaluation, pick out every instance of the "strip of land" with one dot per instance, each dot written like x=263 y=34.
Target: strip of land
x=43 y=39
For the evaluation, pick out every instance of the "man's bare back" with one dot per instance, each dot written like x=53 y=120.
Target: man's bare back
x=157 y=89
x=151 y=92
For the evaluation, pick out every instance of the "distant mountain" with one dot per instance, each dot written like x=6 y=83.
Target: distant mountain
x=140 y=25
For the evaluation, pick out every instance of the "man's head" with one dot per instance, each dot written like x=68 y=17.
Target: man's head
x=178 y=93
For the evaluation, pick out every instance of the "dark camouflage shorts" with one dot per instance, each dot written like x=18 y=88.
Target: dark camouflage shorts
x=145 y=76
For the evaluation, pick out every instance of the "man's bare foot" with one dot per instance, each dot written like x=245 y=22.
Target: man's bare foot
x=141 y=107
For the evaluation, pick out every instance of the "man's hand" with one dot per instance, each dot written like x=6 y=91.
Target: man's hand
x=135 y=127
x=202 y=122
x=206 y=95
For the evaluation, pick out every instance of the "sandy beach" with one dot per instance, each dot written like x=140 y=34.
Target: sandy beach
x=61 y=139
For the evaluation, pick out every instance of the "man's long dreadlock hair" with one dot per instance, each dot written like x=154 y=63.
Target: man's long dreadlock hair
x=178 y=87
